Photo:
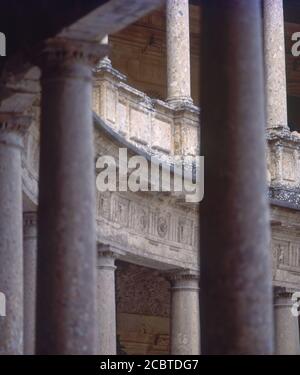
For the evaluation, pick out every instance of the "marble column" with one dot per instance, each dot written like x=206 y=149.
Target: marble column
x=106 y=300
x=235 y=260
x=29 y=264
x=275 y=68
x=178 y=52
x=286 y=325
x=66 y=272
x=12 y=128
x=185 y=315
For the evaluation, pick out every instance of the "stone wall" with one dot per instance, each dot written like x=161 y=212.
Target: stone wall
x=143 y=310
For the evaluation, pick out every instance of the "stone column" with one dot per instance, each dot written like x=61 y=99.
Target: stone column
x=105 y=61
x=66 y=272
x=106 y=300
x=275 y=69
x=185 y=316
x=178 y=52
x=235 y=265
x=12 y=128
x=286 y=325
x=29 y=262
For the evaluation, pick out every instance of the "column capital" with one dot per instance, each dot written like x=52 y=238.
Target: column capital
x=184 y=279
x=106 y=256
x=283 y=297
x=107 y=250
x=57 y=54
x=282 y=293
x=13 y=127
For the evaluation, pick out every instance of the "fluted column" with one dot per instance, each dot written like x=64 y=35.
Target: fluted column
x=178 y=52
x=12 y=128
x=185 y=315
x=235 y=265
x=106 y=300
x=275 y=68
x=286 y=325
x=29 y=262
x=66 y=274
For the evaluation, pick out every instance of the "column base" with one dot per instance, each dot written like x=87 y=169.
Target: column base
x=279 y=129
x=180 y=102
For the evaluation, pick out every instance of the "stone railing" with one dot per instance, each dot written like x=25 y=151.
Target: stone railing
x=283 y=158
x=148 y=123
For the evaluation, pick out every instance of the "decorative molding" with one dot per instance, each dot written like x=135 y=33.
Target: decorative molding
x=287 y=255
x=163 y=226
x=14 y=122
x=109 y=251
x=13 y=127
x=183 y=279
x=285 y=195
x=57 y=53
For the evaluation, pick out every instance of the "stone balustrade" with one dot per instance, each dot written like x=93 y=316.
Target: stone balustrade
x=151 y=124
x=159 y=128
x=141 y=120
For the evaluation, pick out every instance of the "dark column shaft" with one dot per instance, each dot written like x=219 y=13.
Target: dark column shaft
x=66 y=286
x=236 y=310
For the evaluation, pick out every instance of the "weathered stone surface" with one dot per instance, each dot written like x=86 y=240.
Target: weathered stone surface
x=283 y=158
x=274 y=51
x=142 y=290
x=143 y=309
x=283 y=179
x=150 y=124
x=178 y=52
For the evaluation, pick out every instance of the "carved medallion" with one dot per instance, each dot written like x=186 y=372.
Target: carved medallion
x=162 y=227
